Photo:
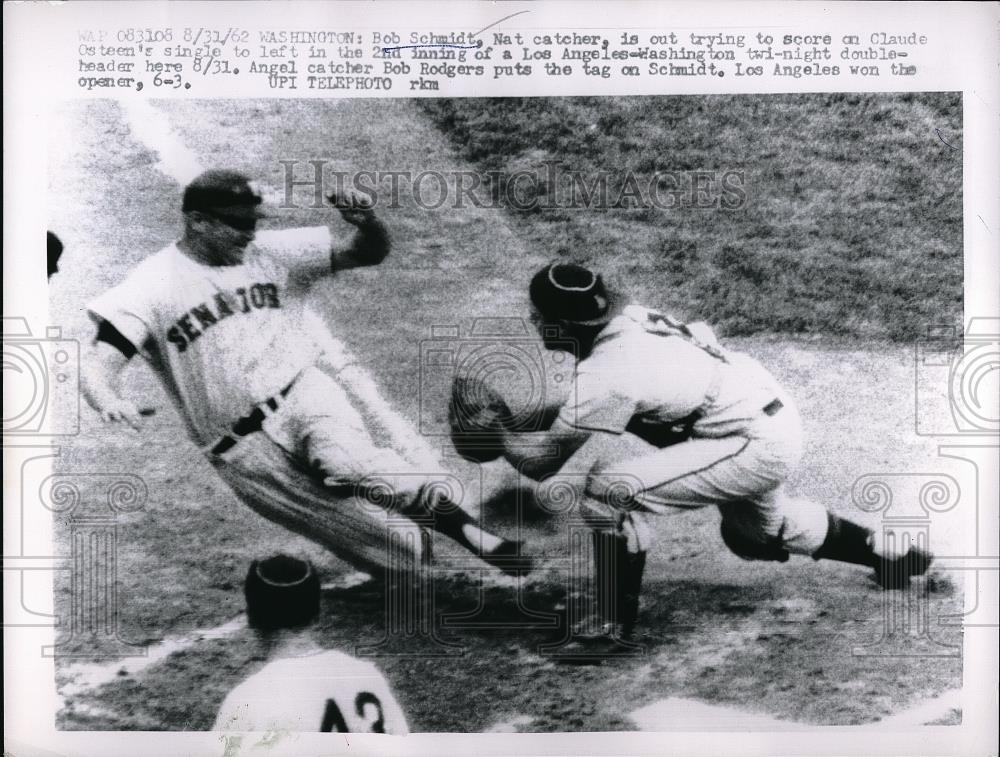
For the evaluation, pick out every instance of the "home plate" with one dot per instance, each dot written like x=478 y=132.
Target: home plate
x=676 y=714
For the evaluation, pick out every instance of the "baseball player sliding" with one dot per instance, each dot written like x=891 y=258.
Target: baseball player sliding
x=214 y=316
x=664 y=416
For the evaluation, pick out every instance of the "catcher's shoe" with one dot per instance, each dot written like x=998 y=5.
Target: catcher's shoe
x=593 y=646
x=896 y=573
x=509 y=558
x=608 y=633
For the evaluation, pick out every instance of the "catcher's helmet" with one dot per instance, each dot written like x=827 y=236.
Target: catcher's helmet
x=574 y=294
x=281 y=592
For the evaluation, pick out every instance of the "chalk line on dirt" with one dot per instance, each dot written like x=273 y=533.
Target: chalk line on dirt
x=677 y=714
x=88 y=710
x=85 y=676
x=80 y=677
x=925 y=712
x=513 y=725
x=150 y=128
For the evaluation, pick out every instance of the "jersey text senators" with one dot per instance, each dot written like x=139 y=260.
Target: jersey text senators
x=221 y=338
x=203 y=316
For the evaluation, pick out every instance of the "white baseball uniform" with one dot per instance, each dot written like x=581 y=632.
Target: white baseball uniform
x=324 y=691
x=746 y=433
x=226 y=340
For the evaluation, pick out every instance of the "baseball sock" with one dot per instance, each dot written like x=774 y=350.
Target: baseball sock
x=847 y=542
x=628 y=612
x=618 y=580
x=851 y=543
x=608 y=563
x=457 y=524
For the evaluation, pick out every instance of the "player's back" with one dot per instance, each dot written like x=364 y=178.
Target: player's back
x=325 y=691
x=674 y=369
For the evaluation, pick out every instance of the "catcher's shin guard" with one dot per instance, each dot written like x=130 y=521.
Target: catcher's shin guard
x=848 y=542
x=752 y=548
x=618 y=576
x=606 y=635
x=628 y=610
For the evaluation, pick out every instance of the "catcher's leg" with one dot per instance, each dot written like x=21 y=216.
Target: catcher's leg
x=619 y=564
x=772 y=529
x=893 y=564
x=744 y=478
x=773 y=524
x=619 y=542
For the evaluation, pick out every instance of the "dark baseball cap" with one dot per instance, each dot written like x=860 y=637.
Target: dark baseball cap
x=224 y=194
x=574 y=294
x=281 y=592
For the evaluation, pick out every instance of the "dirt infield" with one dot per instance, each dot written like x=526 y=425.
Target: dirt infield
x=802 y=642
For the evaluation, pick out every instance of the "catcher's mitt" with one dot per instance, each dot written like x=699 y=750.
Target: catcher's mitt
x=477 y=416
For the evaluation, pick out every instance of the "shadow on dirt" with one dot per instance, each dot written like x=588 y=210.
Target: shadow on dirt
x=451 y=615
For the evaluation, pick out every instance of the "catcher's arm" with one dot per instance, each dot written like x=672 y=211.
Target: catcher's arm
x=537 y=454
x=481 y=421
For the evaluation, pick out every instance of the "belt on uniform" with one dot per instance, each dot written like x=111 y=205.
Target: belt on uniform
x=772 y=407
x=249 y=424
x=664 y=435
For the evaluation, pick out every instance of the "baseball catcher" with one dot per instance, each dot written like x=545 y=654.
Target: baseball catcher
x=663 y=416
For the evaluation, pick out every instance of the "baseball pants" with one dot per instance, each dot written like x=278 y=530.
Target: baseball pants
x=316 y=434
x=743 y=475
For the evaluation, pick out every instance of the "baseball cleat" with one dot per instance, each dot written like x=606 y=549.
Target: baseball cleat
x=508 y=558
x=609 y=641
x=895 y=574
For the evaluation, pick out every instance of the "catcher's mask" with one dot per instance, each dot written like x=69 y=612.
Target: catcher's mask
x=572 y=294
x=281 y=592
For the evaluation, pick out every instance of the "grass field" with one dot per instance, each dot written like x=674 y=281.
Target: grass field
x=843 y=194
